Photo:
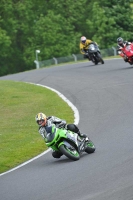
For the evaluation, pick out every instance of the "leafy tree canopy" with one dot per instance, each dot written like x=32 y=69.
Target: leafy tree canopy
x=55 y=27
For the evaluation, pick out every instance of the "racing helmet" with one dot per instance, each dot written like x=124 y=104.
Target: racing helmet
x=83 y=39
x=120 y=40
x=41 y=119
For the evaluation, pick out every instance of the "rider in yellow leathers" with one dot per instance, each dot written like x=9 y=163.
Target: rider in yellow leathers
x=84 y=43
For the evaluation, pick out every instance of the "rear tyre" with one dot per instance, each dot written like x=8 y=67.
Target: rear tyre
x=90 y=148
x=71 y=153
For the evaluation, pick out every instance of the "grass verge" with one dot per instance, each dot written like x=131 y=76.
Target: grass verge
x=19 y=137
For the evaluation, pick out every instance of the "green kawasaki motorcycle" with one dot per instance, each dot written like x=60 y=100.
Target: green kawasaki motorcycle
x=68 y=143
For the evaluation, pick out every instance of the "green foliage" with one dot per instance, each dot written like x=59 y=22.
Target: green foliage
x=19 y=104
x=112 y=20
x=50 y=26
x=55 y=27
x=121 y=12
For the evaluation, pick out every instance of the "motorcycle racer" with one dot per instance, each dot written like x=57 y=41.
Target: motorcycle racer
x=84 y=43
x=120 y=44
x=45 y=127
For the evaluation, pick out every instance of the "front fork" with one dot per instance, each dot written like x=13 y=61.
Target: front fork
x=81 y=146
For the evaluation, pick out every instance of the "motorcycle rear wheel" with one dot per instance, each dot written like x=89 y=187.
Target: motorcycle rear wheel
x=90 y=148
x=70 y=153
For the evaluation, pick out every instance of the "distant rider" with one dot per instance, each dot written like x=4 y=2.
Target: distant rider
x=84 y=44
x=120 y=44
x=45 y=127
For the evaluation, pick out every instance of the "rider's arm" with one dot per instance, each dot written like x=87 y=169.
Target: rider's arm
x=82 y=51
x=42 y=132
x=47 y=131
x=96 y=43
x=127 y=43
x=120 y=52
x=57 y=121
x=92 y=42
x=88 y=42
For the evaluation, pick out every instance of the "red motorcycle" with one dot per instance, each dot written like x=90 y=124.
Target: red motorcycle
x=127 y=53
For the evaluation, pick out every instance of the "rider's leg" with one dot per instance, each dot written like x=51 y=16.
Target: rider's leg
x=125 y=58
x=74 y=128
x=87 y=56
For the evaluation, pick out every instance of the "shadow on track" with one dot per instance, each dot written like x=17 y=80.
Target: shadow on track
x=63 y=160
x=130 y=67
x=92 y=65
x=121 y=69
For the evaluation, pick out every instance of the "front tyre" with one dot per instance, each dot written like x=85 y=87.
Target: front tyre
x=95 y=59
x=71 y=153
x=100 y=58
x=102 y=61
x=90 y=148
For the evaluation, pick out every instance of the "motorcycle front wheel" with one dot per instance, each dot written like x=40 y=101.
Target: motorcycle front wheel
x=90 y=148
x=70 y=152
x=94 y=60
x=100 y=58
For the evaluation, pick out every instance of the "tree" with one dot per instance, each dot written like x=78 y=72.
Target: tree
x=113 y=19
x=55 y=28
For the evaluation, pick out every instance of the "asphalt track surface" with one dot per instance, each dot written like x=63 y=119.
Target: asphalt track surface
x=103 y=95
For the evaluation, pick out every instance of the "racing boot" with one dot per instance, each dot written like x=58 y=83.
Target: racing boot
x=125 y=58
x=56 y=154
x=83 y=136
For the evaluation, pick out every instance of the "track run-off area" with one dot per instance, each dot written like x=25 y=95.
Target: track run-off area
x=103 y=96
